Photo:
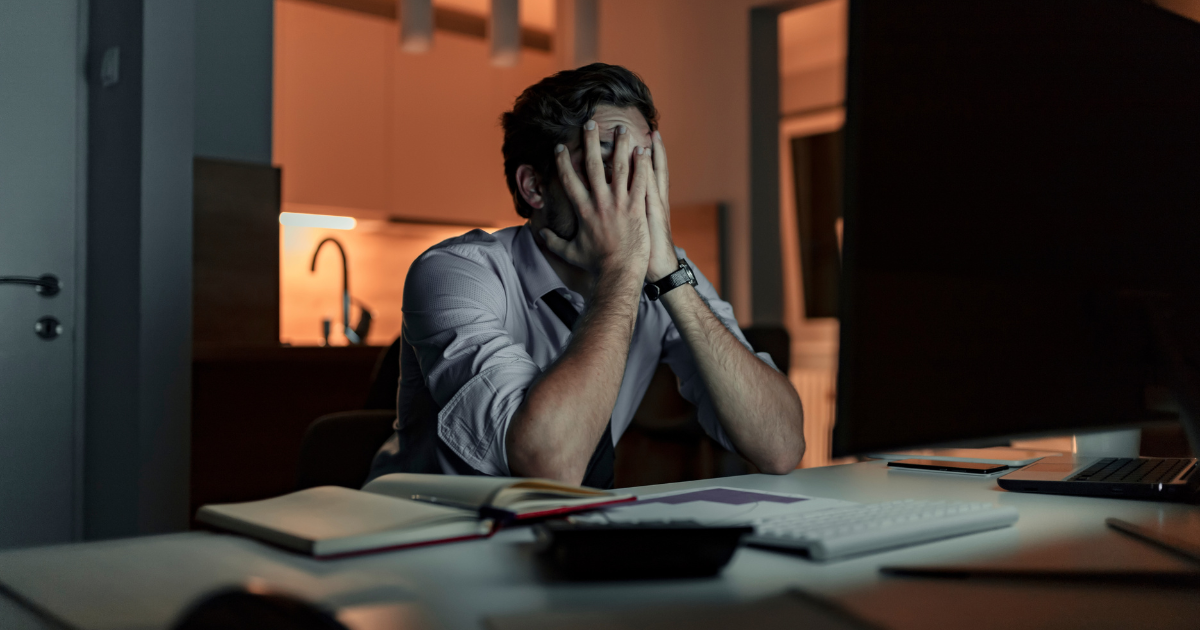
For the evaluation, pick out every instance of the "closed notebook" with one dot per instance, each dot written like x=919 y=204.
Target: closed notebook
x=331 y=521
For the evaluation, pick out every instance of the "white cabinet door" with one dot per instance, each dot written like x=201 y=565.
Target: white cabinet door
x=42 y=152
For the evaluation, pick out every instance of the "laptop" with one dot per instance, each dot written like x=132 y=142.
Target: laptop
x=1157 y=478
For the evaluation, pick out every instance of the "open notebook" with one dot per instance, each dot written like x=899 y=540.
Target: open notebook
x=332 y=521
x=505 y=498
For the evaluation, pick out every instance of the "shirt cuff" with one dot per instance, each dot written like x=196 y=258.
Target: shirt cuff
x=475 y=421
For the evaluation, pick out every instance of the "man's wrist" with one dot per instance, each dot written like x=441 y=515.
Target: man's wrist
x=616 y=267
x=677 y=296
x=660 y=269
x=619 y=279
x=683 y=275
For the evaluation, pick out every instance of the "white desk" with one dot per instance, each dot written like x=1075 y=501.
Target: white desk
x=459 y=584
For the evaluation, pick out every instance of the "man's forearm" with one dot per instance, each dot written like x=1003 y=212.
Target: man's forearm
x=557 y=427
x=757 y=406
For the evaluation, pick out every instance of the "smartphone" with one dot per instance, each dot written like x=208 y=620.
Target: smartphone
x=963 y=467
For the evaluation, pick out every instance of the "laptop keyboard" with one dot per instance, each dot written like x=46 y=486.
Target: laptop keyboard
x=1133 y=470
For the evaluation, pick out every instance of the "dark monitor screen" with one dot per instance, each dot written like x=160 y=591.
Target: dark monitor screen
x=1022 y=190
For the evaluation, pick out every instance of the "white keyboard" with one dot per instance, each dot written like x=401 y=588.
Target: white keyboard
x=871 y=527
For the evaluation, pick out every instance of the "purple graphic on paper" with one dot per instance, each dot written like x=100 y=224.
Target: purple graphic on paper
x=728 y=496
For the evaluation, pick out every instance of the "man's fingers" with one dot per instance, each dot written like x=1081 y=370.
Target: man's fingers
x=660 y=167
x=622 y=148
x=656 y=210
x=576 y=191
x=641 y=173
x=652 y=190
x=593 y=162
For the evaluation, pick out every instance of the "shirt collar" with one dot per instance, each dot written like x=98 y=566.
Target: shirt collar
x=537 y=276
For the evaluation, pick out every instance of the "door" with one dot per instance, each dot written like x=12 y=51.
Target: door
x=42 y=152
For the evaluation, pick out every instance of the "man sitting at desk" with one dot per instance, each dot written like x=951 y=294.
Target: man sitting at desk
x=527 y=351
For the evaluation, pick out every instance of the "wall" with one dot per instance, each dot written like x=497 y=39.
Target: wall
x=363 y=126
x=139 y=271
x=234 y=51
x=812 y=57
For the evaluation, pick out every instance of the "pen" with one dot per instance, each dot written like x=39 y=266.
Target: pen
x=446 y=502
x=484 y=511
x=1187 y=549
x=1176 y=579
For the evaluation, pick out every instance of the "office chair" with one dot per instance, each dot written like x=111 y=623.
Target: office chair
x=338 y=448
x=385 y=379
x=665 y=444
x=775 y=341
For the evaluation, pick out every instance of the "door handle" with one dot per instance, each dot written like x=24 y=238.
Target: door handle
x=47 y=285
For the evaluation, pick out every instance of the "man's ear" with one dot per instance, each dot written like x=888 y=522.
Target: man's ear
x=529 y=185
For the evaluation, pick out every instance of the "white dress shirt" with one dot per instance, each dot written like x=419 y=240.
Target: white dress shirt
x=480 y=335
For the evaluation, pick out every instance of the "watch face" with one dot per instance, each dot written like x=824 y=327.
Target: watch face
x=691 y=276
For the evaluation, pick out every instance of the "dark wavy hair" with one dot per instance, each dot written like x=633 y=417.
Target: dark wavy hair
x=545 y=112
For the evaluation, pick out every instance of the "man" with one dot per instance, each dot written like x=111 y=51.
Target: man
x=527 y=351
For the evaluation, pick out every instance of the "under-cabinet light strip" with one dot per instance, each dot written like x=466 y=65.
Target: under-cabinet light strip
x=298 y=219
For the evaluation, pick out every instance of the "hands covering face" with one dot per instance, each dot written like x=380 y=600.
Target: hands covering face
x=624 y=217
x=663 y=260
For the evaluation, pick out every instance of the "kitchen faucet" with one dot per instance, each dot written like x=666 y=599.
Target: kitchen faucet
x=357 y=335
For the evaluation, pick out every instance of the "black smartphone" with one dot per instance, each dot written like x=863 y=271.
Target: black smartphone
x=963 y=467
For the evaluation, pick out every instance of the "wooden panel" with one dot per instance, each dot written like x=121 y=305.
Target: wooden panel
x=235 y=255
x=817 y=393
x=250 y=409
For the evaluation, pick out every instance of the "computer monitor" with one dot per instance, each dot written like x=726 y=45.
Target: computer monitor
x=1022 y=203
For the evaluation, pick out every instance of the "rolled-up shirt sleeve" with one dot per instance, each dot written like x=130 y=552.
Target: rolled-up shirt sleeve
x=454 y=312
x=678 y=356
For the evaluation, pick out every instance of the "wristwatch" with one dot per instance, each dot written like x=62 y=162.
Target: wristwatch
x=681 y=277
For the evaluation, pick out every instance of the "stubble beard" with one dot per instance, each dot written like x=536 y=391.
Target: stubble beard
x=561 y=217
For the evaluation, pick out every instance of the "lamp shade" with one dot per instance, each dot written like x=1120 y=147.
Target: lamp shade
x=416 y=25
x=505 y=32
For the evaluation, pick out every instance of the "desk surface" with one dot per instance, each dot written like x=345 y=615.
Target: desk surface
x=460 y=584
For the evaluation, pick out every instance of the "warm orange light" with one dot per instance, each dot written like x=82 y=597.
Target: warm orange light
x=298 y=219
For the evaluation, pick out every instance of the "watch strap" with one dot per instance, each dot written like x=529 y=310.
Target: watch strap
x=676 y=279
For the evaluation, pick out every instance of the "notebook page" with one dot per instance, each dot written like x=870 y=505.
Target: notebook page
x=473 y=490
x=326 y=512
